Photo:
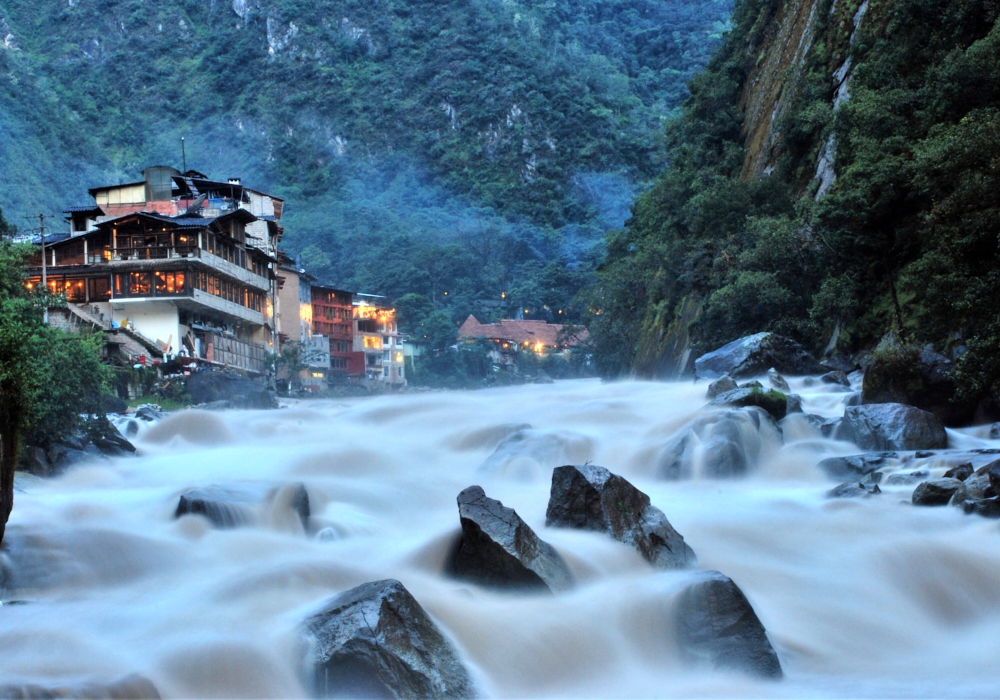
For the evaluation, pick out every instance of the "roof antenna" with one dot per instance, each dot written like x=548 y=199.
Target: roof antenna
x=184 y=160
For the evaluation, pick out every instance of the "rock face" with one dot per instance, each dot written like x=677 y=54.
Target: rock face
x=719 y=445
x=235 y=506
x=721 y=385
x=774 y=402
x=375 y=641
x=892 y=426
x=753 y=355
x=922 y=378
x=717 y=626
x=132 y=686
x=936 y=492
x=592 y=498
x=207 y=387
x=498 y=549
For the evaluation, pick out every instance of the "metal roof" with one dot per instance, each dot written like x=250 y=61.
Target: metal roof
x=83 y=208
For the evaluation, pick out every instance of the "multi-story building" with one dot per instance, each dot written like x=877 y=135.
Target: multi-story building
x=376 y=339
x=333 y=317
x=182 y=261
x=294 y=322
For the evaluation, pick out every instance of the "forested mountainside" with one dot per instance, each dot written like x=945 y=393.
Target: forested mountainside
x=833 y=175
x=488 y=137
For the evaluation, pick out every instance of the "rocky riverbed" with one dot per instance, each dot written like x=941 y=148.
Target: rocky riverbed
x=262 y=553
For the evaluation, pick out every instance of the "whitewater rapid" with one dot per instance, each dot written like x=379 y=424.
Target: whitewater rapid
x=870 y=597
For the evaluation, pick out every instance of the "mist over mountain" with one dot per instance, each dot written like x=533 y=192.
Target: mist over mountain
x=385 y=125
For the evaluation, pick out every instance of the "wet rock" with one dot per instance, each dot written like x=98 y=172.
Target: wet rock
x=130 y=430
x=793 y=404
x=529 y=453
x=722 y=444
x=892 y=426
x=855 y=465
x=498 y=549
x=907 y=477
x=753 y=355
x=774 y=402
x=149 y=412
x=986 y=507
x=106 y=438
x=222 y=405
x=755 y=385
x=721 y=385
x=592 y=498
x=132 y=686
x=717 y=626
x=836 y=377
x=918 y=377
x=936 y=492
x=853 y=399
x=207 y=387
x=978 y=485
x=112 y=404
x=375 y=641
x=854 y=489
x=961 y=472
x=777 y=381
x=244 y=504
x=995 y=431
x=993 y=473
x=839 y=363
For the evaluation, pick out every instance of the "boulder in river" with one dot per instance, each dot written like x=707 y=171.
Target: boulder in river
x=753 y=355
x=131 y=686
x=919 y=377
x=854 y=489
x=907 y=477
x=720 y=444
x=720 y=386
x=208 y=386
x=936 y=492
x=375 y=641
x=717 y=626
x=995 y=431
x=836 y=377
x=855 y=465
x=498 y=549
x=592 y=498
x=961 y=472
x=526 y=454
x=149 y=412
x=774 y=402
x=243 y=504
x=892 y=426
x=777 y=381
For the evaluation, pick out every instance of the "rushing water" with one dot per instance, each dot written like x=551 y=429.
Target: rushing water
x=868 y=597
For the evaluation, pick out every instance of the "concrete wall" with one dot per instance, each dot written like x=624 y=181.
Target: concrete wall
x=288 y=321
x=157 y=320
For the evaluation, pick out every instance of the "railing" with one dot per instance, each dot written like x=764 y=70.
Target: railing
x=156 y=253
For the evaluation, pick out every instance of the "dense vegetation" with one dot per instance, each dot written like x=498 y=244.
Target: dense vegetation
x=906 y=239
x=49 y=380
x=458 y=146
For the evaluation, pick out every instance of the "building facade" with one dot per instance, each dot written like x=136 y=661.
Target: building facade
x=185 y=263
x=377 y=342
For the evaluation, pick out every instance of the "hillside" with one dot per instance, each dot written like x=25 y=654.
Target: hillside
x=389 y=126
x=833 y=177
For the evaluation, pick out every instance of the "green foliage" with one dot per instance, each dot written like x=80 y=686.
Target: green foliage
x=906 y=239
x=48 y=378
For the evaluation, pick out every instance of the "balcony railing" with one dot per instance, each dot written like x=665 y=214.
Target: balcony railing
x=153 y=253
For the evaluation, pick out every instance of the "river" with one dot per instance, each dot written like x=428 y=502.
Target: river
x=869 y=597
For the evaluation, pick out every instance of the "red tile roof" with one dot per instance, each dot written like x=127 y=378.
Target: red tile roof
x=519 y=332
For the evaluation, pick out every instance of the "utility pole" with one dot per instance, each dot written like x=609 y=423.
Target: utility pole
x=45 y=279
x=184 y=160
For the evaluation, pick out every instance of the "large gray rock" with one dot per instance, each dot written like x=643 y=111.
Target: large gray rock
x=721 y=444
x=721 y=385
x=777 y=381
x=498 y=549
x=753 y=355
x=936 y=492
x=243 y=504
x=592 y=498
x=774 y=402
x=716 y=626
x=855 y=465
x=892 y=426
x=208 y=387
x=995 y=431
x=130 y=687
x=854 y=489
x=375 y=641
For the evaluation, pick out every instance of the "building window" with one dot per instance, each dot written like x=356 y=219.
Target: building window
x=100 y=288
x=139 y=284
x=373 y=343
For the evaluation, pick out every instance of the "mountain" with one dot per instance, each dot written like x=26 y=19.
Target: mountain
x=394 y=128
x=833 y=176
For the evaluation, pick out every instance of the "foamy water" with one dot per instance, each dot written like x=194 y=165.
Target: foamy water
x=868 y=597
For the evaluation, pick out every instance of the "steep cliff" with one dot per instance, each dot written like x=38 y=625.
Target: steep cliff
x=830 y=179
